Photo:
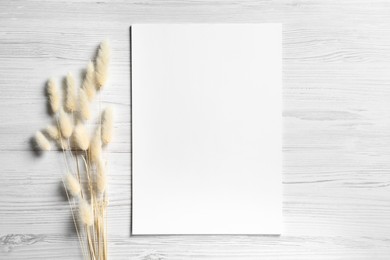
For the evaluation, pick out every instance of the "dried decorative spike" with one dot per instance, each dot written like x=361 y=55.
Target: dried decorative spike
x=107 y=125
x=84 y=108
x=95 y=148
x=71 y=94
x=42 y=142
x=101 y=178
x=72 y=185
x=66 y=124
x=53 y=95
x=102 y=61
x=81 y=137
x=86 y=213
x=89 y=82
x=53 y=132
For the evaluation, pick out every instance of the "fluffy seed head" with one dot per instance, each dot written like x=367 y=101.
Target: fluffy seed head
x=90 y=82
x=42 y=142
x=102 y=61
x=71 y=94
x=66 y=124
x=53 y=95
x=72 y=185
x=107 y=125
x=81 y=137
x=101 y=178
x=84 y=108
x=95 y=148
x=52 y=132
x=86 y=213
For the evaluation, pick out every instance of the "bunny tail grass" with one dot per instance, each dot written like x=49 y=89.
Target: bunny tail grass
x=86 y=213
x=84 y=108
x=66 y=124
x=102 y=62
x=53 y=96
x=71 y=94
x=42 y=142
x=72 y=185
x=52 y=132
x=95 y=148
x=107 y=125
x=101 y=181
x=90 y=82
x=81 y=137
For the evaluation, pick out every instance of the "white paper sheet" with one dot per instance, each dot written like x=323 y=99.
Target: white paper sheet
x=206 y=128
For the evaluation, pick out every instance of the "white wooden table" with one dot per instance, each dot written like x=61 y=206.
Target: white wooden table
x=336 y=148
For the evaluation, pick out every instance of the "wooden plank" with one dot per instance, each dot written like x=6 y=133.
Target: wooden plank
x=59 y=246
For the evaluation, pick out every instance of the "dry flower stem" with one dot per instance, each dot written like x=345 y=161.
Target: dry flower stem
x=72 y=185
x=107 y=125
x=52 y=132
x=81 y=137
x=101 y=178
x=86 y=213
x=102 y=62
x=42 y=142
x=95 y=148
x=90 y=82
x=65 y=124
x=71 y=94
x=53 y=95
x=84 y=108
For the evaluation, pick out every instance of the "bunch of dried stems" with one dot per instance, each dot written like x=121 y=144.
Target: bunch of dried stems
x=85 y=180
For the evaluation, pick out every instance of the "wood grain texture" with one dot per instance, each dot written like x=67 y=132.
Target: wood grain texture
x=336 y=177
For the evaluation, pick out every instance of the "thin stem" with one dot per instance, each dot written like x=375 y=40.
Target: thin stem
x=62 y=144
x=105 y=206
x=88 y=177
x=99 y=229
x=66 y=191
x=92 y=194
x=91 y=247
x=104 y=203
x=74 y=219
x=78 y=175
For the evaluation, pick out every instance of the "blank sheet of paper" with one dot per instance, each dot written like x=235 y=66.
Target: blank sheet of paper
x=206 y=128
